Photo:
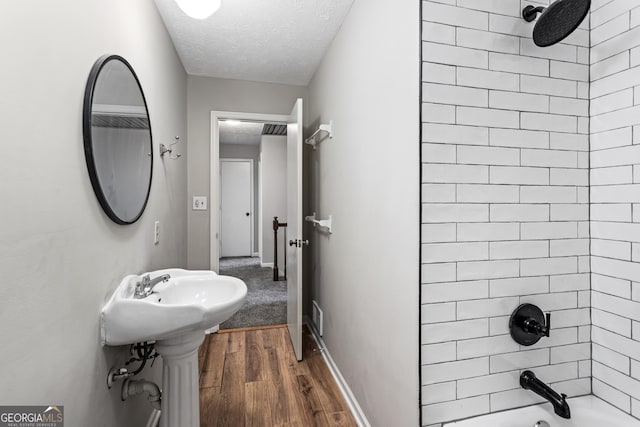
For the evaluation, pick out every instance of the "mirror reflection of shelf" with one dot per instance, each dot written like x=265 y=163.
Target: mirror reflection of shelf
x=323 y=131
x=119 y=116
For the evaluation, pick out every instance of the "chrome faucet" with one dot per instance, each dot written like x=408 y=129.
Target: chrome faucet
x=145 y=286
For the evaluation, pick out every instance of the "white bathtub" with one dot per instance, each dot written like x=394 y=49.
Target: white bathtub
x=586 y=411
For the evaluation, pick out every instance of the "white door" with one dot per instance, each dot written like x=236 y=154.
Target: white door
x=235 y=208
x=294 y=227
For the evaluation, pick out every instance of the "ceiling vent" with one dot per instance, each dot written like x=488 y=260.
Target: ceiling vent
x=274 y=129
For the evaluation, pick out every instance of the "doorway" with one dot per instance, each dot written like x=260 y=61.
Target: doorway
x=249 y=149
x=293 y=208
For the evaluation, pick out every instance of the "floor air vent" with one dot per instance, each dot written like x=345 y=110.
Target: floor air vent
x=317 y=318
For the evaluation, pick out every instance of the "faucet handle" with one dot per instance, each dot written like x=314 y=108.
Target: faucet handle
x=537 y=327
x=142 y=285
x=546 y=330
x=139 y=289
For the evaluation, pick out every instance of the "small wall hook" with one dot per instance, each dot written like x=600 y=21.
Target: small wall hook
x=164 y=149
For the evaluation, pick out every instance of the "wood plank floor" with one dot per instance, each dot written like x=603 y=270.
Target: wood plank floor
x=251 y=378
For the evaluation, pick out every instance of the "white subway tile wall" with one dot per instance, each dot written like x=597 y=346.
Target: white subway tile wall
x=615 y=193
x=505 y=193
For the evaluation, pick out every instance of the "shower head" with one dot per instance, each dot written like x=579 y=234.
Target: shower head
x=557 y=21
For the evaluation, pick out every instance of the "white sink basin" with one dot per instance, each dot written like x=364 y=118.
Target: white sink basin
x=189 y=301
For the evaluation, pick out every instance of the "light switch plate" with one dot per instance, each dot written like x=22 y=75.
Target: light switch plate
x=156 y=233
x=199 y=203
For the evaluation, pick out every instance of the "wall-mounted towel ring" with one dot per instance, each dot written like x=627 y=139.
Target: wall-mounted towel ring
x=164 y=149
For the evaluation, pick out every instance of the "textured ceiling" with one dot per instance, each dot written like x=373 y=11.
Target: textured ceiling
x=277 y=41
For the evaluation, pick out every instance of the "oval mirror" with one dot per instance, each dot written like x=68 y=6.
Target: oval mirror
x=117 y=139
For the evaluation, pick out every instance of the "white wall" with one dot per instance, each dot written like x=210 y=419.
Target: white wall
x=365 y=274
x=246 y=151
x=60 y=255
x=615 y=213
x=206 y=95
x=273 y=169
x=505 y=207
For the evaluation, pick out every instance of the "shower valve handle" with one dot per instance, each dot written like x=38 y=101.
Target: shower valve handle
x=528 y=324
x=547 y=327
x=533 y=326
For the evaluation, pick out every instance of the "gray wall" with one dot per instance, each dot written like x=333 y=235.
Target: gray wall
x=365 y=274
x=60 y=256
x=246 y=151
x=615 y=213
x=505 y=207
x=206 y=95
x=274 y=194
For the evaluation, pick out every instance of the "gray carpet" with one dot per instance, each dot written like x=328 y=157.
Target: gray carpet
x=266 y=302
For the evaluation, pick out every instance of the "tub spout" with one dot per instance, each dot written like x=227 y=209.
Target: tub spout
x=529 y=381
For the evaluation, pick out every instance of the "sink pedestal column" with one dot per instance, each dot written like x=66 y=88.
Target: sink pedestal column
x=180 y=386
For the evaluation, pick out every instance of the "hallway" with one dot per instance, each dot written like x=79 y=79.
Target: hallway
x=266 y=303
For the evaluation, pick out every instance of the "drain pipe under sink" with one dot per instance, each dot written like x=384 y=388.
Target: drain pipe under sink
x=133 y=387
x=154 y=418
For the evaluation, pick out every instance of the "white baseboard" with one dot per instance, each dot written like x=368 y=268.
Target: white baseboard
x=266 y=264
x=354 y=406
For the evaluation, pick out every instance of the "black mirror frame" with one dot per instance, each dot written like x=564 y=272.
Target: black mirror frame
x=87 y=137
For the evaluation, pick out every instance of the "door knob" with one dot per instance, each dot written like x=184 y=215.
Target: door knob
x=293 y=243
x=247 y=214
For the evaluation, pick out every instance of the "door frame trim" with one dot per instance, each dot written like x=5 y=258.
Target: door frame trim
x=251 y=197
x=214 y=172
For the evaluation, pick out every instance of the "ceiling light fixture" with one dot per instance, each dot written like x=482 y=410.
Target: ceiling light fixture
x=199 y=9
x=232 y=122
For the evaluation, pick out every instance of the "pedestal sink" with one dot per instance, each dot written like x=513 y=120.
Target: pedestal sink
x=175 y=316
